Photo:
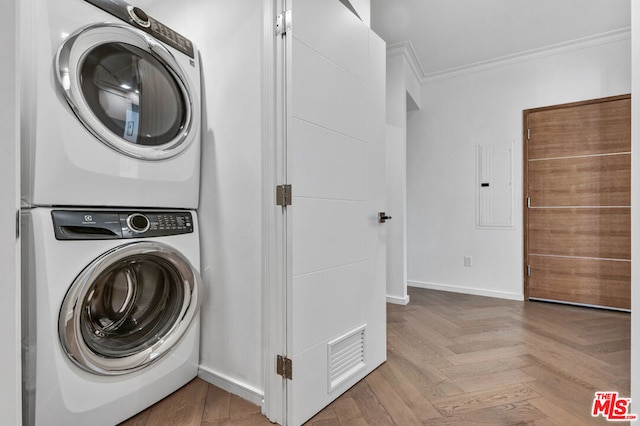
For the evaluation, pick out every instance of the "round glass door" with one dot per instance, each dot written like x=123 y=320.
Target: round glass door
x=127 y=89
x=132 y=94
x=128 y=308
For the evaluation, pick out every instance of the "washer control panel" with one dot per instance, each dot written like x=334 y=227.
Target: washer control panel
x=139 y=19
x=106 y=225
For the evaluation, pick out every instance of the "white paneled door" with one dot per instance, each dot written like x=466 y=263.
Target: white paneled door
x=335 y=114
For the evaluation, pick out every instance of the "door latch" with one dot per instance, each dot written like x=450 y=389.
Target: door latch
x=382 y=217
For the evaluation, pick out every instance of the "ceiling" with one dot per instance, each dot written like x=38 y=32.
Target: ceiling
x=449 y=34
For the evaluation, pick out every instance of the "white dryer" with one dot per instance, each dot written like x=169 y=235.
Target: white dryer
x=110 y=312
x=112 y=107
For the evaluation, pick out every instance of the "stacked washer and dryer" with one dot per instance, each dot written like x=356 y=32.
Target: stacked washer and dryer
x=111 y=166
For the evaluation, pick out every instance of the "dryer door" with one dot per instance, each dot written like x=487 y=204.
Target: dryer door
x=127 y=89
x=128 y=308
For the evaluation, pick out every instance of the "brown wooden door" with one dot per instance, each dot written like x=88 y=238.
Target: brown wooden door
x=578 y=203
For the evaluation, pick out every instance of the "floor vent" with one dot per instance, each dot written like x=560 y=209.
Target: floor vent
x=346 y=357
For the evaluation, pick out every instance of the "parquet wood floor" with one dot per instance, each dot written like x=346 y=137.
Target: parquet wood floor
x=456 y=359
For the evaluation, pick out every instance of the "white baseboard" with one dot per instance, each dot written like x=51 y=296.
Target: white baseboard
x=398 y=300
x=231 y=385
x=467 y=290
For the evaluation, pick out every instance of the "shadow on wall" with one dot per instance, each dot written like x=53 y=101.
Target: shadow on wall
x=212 y=251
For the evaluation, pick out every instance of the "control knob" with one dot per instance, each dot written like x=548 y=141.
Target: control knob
x=138 y=223
x=139 y=16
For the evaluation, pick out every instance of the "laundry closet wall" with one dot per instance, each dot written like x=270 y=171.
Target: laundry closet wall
x=10 y=403
x=229 y=36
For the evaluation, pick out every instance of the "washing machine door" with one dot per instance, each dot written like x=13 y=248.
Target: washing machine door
x=129 y=308
x=127 y=89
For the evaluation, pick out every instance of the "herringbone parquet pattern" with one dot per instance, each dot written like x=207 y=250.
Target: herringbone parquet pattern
x=457 y=359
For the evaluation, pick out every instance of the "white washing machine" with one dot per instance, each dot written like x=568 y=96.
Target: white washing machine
x=112 y=107
x=110 y=312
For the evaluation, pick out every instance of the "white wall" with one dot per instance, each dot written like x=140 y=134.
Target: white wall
x=363 y=7
x=231 y=203
x=396 y=171
x=635 y=212
x=10 y=402
x=229 y=36
x=485 y=107
x=403 y=89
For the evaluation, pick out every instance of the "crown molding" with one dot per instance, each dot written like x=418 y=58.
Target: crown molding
x=405 y=48
x=529 y=55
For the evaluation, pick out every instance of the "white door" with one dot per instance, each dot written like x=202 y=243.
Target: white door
x=336 y=318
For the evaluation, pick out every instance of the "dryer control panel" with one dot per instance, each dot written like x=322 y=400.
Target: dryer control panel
x=139 y=19
x=108 y=225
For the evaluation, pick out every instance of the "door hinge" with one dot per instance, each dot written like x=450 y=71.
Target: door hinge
x=283 y=195
x=528 y=202
x=528 y=134
x=284 y=367
x=528 y=270
x=283 y=23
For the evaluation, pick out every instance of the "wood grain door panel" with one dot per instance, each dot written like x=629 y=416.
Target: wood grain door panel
x=577 y=214
x=586 y=281
x=588 y=232
x=599 y=128
x=583 y=181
